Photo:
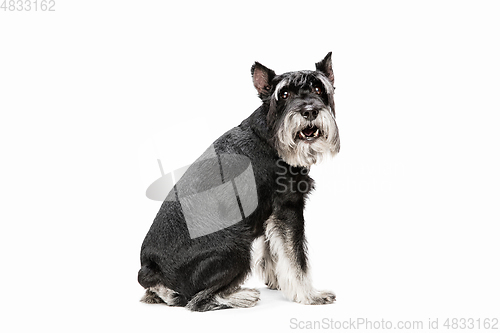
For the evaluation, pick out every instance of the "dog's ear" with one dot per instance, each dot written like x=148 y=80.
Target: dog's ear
x=262 y=77
x=325 y=67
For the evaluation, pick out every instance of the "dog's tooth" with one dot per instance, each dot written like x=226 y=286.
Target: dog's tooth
x=316 y=133
x=301 y=135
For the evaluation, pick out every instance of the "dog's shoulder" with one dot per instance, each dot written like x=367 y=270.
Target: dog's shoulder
x=249 y=138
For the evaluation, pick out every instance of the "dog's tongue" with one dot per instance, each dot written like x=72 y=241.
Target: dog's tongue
x=309 y=131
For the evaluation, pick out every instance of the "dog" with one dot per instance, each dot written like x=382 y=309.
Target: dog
x=243 y=201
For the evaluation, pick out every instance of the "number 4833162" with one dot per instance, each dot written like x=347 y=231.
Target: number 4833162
x=28 y=5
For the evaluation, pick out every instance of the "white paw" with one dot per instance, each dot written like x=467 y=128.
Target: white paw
x=243 y=298
x=318 y=298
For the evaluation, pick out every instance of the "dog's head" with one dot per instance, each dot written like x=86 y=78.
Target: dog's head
x=301 y=116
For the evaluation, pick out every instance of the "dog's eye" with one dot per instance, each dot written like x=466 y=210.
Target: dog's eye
x=284 y=94
x=318 y=90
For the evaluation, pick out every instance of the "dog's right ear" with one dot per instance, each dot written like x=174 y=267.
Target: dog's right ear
x=262 y=77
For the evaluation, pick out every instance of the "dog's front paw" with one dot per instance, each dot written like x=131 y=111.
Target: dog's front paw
x=272 y=284
x=322 y=297
x=315 y=297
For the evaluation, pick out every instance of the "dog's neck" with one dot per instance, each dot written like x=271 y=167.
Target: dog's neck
x=258 y=124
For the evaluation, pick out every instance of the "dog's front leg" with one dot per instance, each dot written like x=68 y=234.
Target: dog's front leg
x=284 y=233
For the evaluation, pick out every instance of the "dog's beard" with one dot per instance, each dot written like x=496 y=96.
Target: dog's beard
x=301 y=142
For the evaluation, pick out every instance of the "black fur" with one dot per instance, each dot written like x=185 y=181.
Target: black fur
x=199 y=269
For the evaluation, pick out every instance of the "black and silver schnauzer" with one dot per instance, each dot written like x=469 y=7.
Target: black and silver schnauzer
x=244 y=199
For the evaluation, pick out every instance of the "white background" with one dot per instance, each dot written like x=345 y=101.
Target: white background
x=403 y=224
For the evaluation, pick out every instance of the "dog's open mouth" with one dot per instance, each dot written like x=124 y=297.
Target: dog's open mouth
x=309 y=133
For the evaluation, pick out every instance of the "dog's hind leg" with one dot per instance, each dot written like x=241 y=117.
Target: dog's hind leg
x=206 y=300
x=156 y=292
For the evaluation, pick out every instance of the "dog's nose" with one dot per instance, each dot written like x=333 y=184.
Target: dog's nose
x=309 y=114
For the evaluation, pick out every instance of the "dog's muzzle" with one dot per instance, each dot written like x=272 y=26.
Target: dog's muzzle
x=306 y=135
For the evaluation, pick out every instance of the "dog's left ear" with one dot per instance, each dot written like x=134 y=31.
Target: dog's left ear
x=325 y=67
x=262 y=77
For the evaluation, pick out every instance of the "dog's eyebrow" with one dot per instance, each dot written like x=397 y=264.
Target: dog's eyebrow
x=328 y=86
x=280 y=86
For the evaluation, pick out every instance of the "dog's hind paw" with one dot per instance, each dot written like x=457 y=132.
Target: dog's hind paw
x=151 y=298
x=243 y=298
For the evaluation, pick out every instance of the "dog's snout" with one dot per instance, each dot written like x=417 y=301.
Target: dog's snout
x=309 y=114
